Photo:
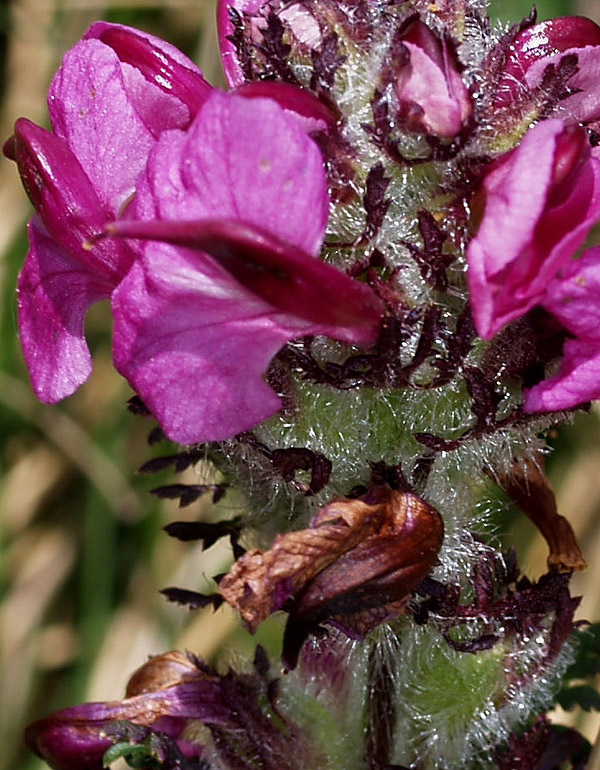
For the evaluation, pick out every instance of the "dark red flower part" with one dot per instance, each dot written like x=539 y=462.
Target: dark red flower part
x=274 y=270
x=547 y=39
x=290 y=97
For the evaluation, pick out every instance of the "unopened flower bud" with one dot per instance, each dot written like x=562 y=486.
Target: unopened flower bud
x=433 y=99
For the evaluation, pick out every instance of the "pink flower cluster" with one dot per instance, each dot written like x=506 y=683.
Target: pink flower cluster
x=201 y=214
x=226 y=197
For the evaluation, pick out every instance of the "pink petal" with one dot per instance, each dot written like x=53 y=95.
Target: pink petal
x=194 y=344
x=168 y=80
x=91 y=109
x=67 y=203
x=576 y=382
x=584 y=105
x=439 y=92
x=573 y=298
x=54 y=293
x=285 y=278
x=312 y=113
x=243 y=159
x=509 y=268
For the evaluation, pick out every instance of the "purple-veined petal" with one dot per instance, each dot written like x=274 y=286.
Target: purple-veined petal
x=244 y=159
x=54 y=293
x=279 y=274
x=163 y=67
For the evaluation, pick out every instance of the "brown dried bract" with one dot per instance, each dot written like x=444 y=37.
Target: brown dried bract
x=161 y=671
x=355 y=566
x=528 y=488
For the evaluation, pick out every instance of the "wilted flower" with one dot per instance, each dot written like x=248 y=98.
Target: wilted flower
x=354 y=567
x=164 y=694
x=168 y=702
x=433 y=99
x=548 y=188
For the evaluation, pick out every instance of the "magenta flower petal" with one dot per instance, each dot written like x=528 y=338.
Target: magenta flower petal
x=54 y=293
x=242 y=199
x=243 y=159
x=65 y=200
x=296 y=100
x=433 y=99
x=73 y=739
x=574 y=298
x=91 y=109
x=544 y=44
x=160 y=79
x=194 y=344
x=549 y=190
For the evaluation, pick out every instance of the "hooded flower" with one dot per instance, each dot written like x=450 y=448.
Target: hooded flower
x=574 y=298
x=548 y=190
x=115 y=91
x=540 y=49
x=355 y=567
x=235 y=210
x=433 y=99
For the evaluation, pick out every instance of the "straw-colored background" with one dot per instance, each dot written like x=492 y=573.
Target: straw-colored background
x=81 y=549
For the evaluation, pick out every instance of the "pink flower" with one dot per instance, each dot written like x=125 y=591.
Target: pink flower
x=539 y=202
x=236 y=208
x=116 y=90
x=433 y=99
x=548 y=43
x=574 y=298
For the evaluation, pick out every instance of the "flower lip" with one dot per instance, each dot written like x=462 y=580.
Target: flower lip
x=280 y=274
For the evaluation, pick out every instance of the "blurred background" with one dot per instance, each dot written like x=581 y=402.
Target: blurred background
x=82 y=552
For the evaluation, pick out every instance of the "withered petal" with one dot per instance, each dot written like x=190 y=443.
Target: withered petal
x=355 y=566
